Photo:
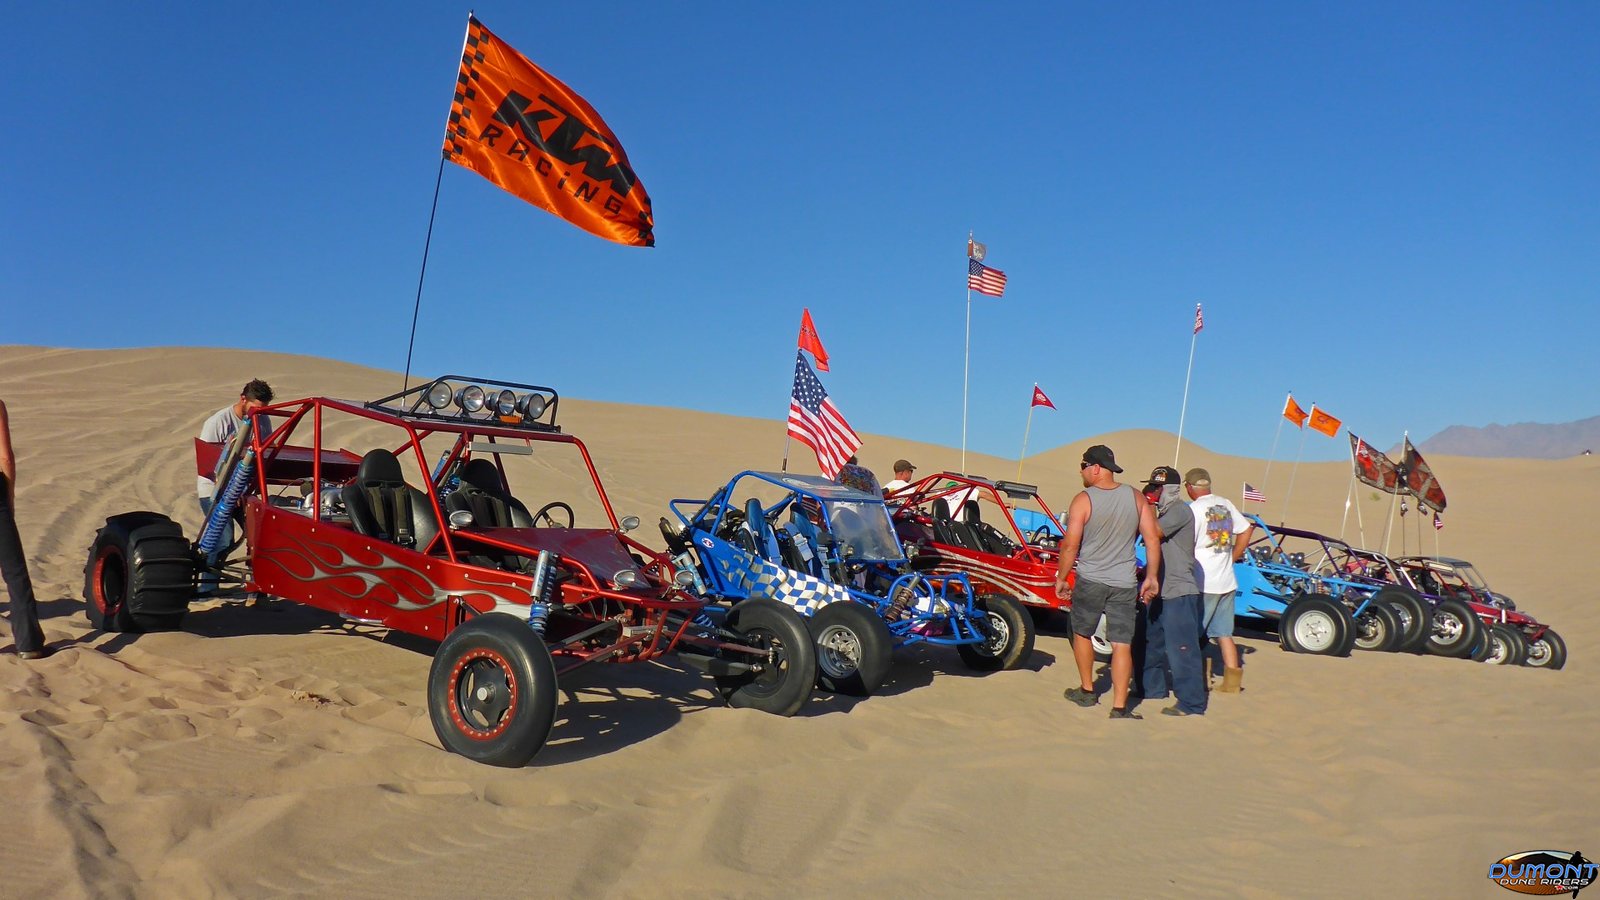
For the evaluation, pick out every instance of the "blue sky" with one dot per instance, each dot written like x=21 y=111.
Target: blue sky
x=1391 y=209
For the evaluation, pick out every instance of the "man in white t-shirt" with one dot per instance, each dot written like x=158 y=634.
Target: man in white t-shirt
x=1221 y=535
x=904 y=471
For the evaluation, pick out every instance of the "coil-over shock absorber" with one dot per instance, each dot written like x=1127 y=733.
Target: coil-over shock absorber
x=901 y=599
x=544 y=583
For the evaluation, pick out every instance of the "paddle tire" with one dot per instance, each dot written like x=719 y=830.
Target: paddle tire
x=853 y=646
x=1548 y=651
x=1507 y=646
x=1456 y=630
x=492 y=691
x=1317 y=624
x=1009 y=635
x=1378 y=628
x=1414 y=613
x=140 y=575
x=782 y=683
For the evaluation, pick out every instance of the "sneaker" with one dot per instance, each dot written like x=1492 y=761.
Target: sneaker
x=1124 y=713
x=40 y=653
x=1175 y=711
x=1081 y=697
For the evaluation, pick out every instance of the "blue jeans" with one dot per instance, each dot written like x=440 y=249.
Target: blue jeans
x=1172 y=642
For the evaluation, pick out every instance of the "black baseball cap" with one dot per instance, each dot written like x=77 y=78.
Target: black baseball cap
x=1100 y=455
x=1161 y=476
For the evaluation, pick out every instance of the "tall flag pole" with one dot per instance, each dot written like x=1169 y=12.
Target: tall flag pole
x=810 y=342
x=1039 y=399
x=1388 y=522
x=984 y=280
x=1199 y=323
x=1291 y=413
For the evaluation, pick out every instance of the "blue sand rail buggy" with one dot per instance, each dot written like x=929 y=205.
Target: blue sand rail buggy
x=1311 y=586
x=830 y=552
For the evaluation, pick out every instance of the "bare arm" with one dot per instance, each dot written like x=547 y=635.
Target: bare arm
x=1151 y=533
x=8 y=462
x=1241 y=542
x=1071 y=542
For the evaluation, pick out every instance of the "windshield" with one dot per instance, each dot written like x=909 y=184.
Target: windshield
x=864 y=526
x=1470 y=576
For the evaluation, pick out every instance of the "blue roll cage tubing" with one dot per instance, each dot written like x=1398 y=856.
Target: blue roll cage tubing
x=1253 y=578
x=962 y=621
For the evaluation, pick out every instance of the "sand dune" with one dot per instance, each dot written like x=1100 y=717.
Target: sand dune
x=279 y=751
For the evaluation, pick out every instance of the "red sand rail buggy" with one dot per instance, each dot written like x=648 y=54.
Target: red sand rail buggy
x=515 y=598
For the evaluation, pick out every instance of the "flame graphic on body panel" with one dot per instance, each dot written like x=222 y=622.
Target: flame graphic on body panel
x=376 y=574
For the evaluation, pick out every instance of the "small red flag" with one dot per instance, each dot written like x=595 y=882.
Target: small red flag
x=1321 y=421
x=1293 y=412
x=810 y=343
x=1039 y=399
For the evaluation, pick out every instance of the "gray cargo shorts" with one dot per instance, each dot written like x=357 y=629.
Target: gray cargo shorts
x=1120 y=605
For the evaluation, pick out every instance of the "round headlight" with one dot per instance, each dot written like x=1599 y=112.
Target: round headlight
x=532 y=406
x=683 y=578
x=439 y=394
x=470 y=398
x=505 y=403
x=625 y=578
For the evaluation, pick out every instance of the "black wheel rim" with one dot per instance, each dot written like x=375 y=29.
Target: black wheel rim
x=483 y=694
x=771 y=675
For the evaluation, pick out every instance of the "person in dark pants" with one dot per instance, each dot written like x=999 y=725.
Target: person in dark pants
x=24 y=610
x=1172 y=630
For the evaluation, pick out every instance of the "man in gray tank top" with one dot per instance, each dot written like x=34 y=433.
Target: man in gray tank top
x=1102 y=523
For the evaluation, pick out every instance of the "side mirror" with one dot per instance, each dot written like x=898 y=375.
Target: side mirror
x=461 y=519
x=629 y=523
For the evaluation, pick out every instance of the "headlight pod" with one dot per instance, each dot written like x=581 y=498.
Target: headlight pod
x=439 y=395
x=471 y=399
x=625 y=578
x=531 y=406
x=505 y=403
x=683 y=578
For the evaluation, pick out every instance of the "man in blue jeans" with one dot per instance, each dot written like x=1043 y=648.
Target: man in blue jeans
x=24 y=609
x=1172 y=631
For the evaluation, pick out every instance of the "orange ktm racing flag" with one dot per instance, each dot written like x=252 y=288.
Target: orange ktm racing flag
x=516 y=125
x=1293 y=412
x=1321 y=421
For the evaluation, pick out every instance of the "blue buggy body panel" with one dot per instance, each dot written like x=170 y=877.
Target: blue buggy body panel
x=820 y=543
x=1270 y=577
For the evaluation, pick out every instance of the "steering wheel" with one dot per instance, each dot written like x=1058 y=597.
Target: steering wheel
x=1038 y=535
x=549 y=520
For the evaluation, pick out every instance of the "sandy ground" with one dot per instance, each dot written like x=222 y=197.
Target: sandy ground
x=278 y=751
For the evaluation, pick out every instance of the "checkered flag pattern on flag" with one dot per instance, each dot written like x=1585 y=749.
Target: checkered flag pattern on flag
x=817 y=423
x=1251 y=495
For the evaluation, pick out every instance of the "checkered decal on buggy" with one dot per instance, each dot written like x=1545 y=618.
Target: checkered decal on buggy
x=760 y=578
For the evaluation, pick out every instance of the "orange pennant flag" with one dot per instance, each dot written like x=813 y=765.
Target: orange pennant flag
x=810 y=343
x=1293 y=412
x=521 y=128
x=1321 y=421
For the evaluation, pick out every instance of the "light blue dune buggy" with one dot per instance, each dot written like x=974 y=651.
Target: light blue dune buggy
x=830 y=552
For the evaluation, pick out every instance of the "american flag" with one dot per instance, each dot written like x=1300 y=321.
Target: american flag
x=1251 y=495
x=985 y=280
x=1199 y=320
x=1438 y=523
x=817 y=423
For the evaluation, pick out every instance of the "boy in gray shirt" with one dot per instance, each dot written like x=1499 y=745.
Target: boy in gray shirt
x=1172 y=633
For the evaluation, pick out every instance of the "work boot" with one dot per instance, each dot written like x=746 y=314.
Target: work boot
x=1232 y=681
x=1208 y=673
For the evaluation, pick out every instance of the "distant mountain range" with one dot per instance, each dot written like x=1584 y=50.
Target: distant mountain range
x=1531 y=440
